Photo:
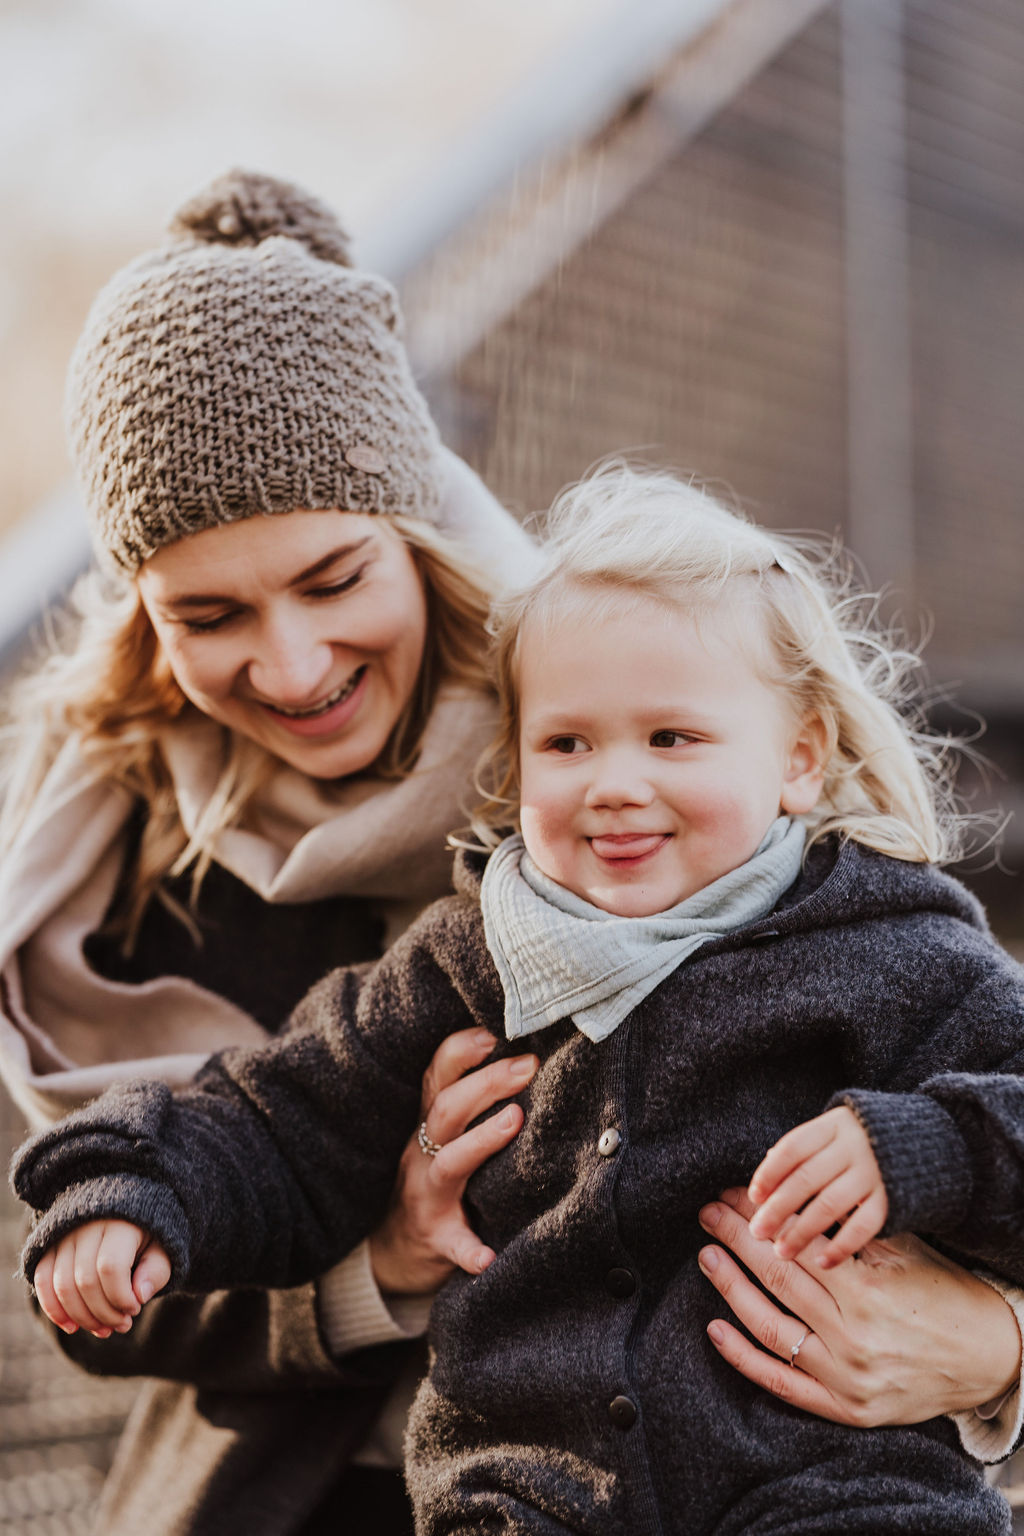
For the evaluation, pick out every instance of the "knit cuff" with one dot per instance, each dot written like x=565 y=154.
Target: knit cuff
x=150 y=1205
x=921 y=1156
x=353 y=1313
x=991 y=1432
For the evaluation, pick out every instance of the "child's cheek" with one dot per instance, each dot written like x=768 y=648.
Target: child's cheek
x=546 y=828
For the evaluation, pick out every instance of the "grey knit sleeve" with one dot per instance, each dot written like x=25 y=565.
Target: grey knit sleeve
x=278 y=1161
x=951 y=1148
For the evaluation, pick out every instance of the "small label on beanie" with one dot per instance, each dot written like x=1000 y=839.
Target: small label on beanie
x=367 y=459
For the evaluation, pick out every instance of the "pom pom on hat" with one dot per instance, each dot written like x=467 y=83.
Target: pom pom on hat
x=242 y=368
x=244 y=208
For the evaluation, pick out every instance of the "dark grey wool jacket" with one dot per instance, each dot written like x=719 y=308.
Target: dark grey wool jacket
x=572 y=1387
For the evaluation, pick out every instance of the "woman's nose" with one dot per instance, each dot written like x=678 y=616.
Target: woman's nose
x=619 y=779
x=291 y=664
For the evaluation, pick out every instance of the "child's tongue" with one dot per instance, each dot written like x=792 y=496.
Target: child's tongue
x=627 y=845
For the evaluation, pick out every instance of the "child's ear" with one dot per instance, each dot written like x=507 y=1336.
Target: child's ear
x=805 y=767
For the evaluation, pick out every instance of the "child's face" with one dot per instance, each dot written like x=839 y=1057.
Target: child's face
x=653 y=755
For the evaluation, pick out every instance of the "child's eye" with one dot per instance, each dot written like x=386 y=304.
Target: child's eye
x=566 y=745
x=669 y=738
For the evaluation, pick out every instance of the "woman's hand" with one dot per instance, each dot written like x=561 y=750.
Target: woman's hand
x=897 y=1335
x=425 y=1234
x=99 y=1276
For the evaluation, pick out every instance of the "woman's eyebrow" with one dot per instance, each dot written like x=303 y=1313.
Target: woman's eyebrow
x=206 y=599
x=322 y=564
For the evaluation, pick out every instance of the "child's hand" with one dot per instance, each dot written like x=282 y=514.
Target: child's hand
x=99 y=1276
x=826 y=1171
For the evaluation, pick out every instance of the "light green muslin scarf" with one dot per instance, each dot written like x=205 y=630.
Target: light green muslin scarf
x=560 y=957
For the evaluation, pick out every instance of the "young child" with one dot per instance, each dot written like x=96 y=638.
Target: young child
x=720 y=919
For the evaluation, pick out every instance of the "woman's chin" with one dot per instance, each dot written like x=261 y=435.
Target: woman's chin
x=328 y=758
x=334 y=754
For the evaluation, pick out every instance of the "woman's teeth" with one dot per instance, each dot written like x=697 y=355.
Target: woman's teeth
x=332 y=699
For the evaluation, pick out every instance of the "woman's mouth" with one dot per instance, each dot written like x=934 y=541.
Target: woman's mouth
x=328 y=714
x=625 y=848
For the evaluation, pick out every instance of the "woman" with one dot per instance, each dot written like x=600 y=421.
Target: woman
x=241 y=775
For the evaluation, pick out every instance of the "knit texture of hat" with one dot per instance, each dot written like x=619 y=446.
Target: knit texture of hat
x=244 y=367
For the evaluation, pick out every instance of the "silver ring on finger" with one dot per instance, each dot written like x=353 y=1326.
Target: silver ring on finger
x=798 y=1346
x=427 y=1147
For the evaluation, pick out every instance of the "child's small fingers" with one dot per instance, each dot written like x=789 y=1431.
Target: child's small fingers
x=801 y=1186
x=151 y=1273
x=86 y=1298
x=865 y=1223
x=42 y=1284
x=802 y=1142
x=115 y=1256
x=67 y=1266
x=835 y=1202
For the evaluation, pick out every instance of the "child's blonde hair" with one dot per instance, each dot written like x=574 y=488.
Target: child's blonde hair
x=107 y=683
x=650 y=534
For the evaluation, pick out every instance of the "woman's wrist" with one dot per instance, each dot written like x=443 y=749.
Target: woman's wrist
x=352 y=1311
x=999 y=1344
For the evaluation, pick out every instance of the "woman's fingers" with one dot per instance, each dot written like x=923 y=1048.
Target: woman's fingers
x=457 y=1054
x=459 y=1103
x=460 y=1158
x=426 y=1231
x=460 y=1245
x=900 y=1335
x=796 y=1284
x=452 y=1235
x=788 y=1382
x=776 y=1329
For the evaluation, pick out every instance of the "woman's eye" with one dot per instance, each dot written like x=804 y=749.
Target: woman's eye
x=207 y=626
x=669 y=738
x=336 y=588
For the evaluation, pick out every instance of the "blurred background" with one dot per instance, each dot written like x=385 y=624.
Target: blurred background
x=778 y=243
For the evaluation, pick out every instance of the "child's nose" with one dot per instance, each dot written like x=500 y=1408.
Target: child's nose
x=619 y=780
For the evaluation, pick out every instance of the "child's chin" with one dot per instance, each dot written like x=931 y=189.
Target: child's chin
x=634 y=903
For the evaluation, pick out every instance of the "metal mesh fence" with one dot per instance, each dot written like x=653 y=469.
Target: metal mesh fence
x=58 y=1426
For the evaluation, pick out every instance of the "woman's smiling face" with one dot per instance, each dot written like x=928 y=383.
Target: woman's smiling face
x=304 y=631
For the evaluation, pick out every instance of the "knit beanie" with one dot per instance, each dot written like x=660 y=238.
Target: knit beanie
x=244 y=367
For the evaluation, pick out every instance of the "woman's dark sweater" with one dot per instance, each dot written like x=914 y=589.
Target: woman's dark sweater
x=572 y=1385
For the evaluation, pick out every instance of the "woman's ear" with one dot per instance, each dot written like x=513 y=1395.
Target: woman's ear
x=805 y=767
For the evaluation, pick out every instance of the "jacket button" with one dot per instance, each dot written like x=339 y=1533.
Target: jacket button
x=609 y=1142
x=620 y=1282
x=622 y=1412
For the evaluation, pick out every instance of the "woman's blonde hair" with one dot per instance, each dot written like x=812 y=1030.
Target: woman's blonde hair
x=647 y=533
x=106 y=681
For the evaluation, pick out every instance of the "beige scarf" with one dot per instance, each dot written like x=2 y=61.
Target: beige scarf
x=66 y=1032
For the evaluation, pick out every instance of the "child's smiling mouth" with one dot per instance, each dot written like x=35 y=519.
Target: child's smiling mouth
x=627 y=847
